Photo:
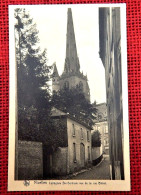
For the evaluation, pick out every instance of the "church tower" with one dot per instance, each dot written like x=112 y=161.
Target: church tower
x=71 y=76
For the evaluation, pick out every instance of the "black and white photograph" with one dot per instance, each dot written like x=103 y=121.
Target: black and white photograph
x=68 y=117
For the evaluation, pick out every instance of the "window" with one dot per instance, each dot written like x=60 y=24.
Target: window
x=105 y=142
x=88 y=136
x=109 y=83
x=106 y=129
x=66 y=85
x=73 y=130
x=74 y=152
x=110 y=65
x=81 y=85
x=88 y=152
x=99 y=116
x=81 y=133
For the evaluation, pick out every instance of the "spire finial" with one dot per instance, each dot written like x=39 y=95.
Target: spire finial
x=55 y=71
x=72 y=61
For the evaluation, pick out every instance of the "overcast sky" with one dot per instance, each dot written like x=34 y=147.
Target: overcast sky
x=52 y=25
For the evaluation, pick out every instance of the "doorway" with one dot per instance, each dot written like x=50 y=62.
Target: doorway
x=82 y=155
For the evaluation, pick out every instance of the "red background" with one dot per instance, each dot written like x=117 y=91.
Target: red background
x=134 y=89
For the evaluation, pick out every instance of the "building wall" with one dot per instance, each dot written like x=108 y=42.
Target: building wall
x=102 y=127
x=61 y=125
x=30 y=160
x=110 y=53
x=73 y=81
x=102 y=111
x=55 y=84
x=53 y=160
x=80 y=139
x=59 y=161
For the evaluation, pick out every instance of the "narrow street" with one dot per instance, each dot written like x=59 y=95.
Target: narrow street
x=101 y=171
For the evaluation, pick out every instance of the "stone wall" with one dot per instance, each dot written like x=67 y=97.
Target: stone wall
x=59 y=161
x=80 y=138
x=30 y=160
x=55 y=163
x=96 y=152
x=74 y=81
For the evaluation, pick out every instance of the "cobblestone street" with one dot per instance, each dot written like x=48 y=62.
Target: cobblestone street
x=101 y=171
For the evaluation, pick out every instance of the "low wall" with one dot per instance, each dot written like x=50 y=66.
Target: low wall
x=30 y=160
x=96 y=155
x=96 y=152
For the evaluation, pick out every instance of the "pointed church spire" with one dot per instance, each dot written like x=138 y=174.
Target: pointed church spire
x=71 y=61
x=55 y=71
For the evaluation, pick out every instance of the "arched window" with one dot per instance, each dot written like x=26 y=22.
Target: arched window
x=81 y=85
x=100 y=116
x=66 y=85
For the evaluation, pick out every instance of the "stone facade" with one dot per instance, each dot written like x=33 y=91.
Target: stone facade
x=78 y=150
x=101 y=112
x=71 y=76
x=110 y=53
x=79 y=146
x=101 y=125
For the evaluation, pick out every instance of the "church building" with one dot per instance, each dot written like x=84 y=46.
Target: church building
x=71 y=76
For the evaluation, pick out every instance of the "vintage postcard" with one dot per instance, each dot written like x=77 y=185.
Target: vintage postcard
x=68 y=117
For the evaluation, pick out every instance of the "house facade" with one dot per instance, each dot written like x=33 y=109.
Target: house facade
x=101 y=125
x=76 y=153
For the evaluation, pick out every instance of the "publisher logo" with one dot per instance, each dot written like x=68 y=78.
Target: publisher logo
x=26 y=183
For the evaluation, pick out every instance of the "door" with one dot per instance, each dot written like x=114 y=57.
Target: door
x=82 y=155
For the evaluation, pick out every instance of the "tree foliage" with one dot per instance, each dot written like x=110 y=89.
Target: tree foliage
x=32 y=69
x=96 y=139
x=73 y=101
x=34 y=98
x=33 y=76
